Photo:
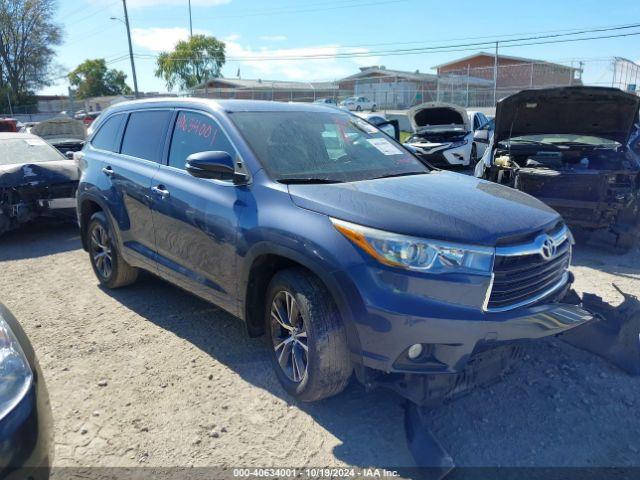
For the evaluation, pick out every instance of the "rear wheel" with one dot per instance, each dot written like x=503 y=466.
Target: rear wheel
x=306 y=336
x=374 y=108
x=358 y=108
x=107 y=262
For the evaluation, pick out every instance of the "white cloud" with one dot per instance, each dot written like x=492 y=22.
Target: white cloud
x=268 y=63
x=265 y=62
x=273 y=38
x=175 y=3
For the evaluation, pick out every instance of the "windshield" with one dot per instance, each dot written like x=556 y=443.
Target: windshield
x=27 y=150
x=560 y=139
x=325 y=146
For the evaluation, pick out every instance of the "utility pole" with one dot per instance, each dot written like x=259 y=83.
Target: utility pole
x=190 y=21
x=133 y=65
x=495 y=77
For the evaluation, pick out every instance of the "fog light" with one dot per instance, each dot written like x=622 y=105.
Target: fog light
x=414 y=351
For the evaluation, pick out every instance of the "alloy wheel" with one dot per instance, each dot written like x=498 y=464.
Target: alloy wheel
x=101 y=252
x=289 y=336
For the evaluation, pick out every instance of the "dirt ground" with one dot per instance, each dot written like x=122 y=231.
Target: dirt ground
x=149 y=375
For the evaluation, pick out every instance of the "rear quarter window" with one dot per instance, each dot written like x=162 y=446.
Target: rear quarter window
x=108 y=136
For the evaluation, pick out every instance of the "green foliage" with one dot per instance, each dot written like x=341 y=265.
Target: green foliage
x=92 y=78
x=192 y=62
x=28 y=36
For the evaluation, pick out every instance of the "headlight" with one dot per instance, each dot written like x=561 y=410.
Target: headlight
x=418 y=254
x=15 y=372
x=461 y=143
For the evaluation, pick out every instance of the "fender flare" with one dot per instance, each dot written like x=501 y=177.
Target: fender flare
x=344 y=293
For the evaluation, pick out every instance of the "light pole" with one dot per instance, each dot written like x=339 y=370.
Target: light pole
x=190 y=21
x=133 y=65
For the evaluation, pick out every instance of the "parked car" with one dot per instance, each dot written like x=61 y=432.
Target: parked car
x=25 y=411
x=88 y=118
x=569 y=147
x=442 y=135
x=477 y=119
x=36 y=180
x=8 y=125
x=358 y=104
x=482 y=137
x=326 y=101
x=64 y=133
x=323 y=233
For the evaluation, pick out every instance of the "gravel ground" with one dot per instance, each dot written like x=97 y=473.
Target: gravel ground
x=149 y=375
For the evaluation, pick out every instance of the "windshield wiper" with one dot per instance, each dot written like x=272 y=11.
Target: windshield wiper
x=309 y=180
x=403 y=174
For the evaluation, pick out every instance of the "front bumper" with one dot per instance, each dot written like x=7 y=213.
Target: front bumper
x=396 y=316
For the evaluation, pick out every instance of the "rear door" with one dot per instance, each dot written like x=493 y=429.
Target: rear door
x=131 y=173
x=196 y=219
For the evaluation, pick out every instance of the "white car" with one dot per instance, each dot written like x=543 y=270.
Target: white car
x=358 y=104
x=442 y=134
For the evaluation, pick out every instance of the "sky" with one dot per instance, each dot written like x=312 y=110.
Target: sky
x=258 y=34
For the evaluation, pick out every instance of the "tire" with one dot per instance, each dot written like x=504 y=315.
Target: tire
x=110 y=268
x=328 y=365
x=358 y=108
x=473 y=159
x=374 y=108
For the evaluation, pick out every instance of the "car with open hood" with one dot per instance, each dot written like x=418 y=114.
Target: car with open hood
x=570 y=147
x=64 y=133
x=442 y=134
x=36 y=180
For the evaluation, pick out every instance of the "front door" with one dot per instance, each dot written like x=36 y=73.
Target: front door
x=195 y=219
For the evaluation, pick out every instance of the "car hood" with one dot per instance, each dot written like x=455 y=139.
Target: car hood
x=63 y=128
x=439 y=205
x=38 y=174
x=429 y=114
x=596 y=111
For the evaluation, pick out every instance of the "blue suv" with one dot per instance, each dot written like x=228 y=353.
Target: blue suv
x=319 y=230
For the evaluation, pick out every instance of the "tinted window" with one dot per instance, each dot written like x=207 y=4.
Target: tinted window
x=331 y=146
x=145 y=133
x=107 y=137
x=195 y=133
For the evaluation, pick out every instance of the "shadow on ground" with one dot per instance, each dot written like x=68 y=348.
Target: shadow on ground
x=39 y=239
x=561 y=406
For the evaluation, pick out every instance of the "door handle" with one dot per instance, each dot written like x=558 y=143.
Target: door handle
x=108 y=171
x=160 y=190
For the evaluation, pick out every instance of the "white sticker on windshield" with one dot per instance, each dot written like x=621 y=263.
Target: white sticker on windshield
x=385 y=146
x=36 y=142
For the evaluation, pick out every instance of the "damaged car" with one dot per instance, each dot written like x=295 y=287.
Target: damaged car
x=442 y=135
x=570 y=147
x=327 y=237
x=65 y=134
x=36 y=180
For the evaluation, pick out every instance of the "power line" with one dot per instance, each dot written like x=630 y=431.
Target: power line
x=516 y=42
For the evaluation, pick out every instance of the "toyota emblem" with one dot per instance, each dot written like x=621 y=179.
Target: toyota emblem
x=549 y=249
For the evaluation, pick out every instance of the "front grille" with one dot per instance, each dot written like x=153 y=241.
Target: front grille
x=520 y=279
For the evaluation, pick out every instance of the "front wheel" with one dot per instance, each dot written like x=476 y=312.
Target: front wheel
x=306 y=336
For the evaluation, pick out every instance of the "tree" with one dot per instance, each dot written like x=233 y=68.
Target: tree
x=192 y=62
x=28 y=36
x=93 y=79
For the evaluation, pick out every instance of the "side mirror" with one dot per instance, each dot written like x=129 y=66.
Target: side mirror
x=481 y=136
x=215 y=164
x=391 y=128
x=69 y=155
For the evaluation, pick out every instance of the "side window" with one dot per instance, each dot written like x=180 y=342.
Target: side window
x=108 y=136
x=144 y=135
x=194 y=133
